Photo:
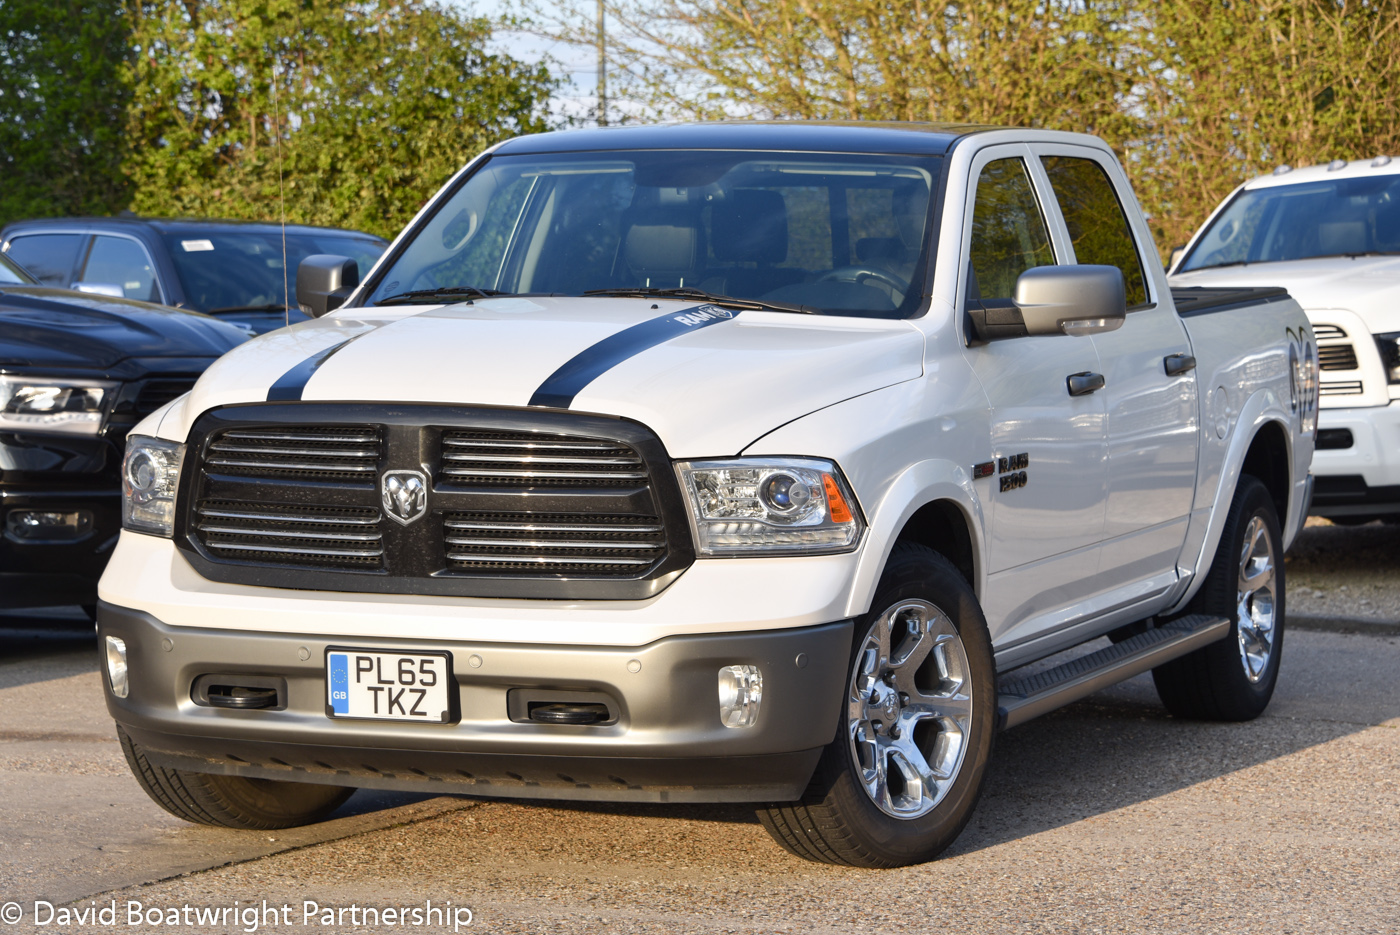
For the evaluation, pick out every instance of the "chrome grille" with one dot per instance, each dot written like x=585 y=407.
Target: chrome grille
x=1336 y=357
x=314 y=535
x=1328 y=332
x=1341 y=388
x=344 y=452
x=528 y=459
x=553 y=543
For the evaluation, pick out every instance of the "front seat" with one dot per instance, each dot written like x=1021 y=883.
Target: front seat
x=664 y=249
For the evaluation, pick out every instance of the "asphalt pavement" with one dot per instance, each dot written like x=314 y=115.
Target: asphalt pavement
x=1107 y=816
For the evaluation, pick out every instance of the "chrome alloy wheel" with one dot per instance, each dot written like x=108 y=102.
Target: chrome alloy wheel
x=1255 y=599
x=909 y=709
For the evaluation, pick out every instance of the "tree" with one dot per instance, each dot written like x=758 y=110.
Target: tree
x=355 y=110
x=62 y=107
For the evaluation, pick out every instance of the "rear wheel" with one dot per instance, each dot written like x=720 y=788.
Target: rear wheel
x=1234 y=679
x=231 y=801
x=901 y=779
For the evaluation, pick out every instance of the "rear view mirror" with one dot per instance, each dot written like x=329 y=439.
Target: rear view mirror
x=1074 y=300
x=1176 y=257
x=324 y=282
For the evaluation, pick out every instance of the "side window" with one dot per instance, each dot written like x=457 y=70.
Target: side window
x=122 y=262
x=1009 y=235
x=1098 y=228
x=50 y=257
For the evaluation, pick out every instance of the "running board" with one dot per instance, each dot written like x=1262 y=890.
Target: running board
x=1044 y=692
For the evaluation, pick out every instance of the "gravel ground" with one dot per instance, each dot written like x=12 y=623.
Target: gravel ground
x=1108 y=816
x=1345 y=571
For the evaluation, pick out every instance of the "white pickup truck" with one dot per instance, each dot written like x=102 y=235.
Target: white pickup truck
x=1330 y=235
x=730 y=462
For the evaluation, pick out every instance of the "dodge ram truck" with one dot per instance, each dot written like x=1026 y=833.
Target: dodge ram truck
x=770 y=463
x=1330 y=235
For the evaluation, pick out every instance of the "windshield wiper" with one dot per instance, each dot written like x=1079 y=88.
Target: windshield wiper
x=452 y=294
x=1223 y=265
x=686 y=292
x=273 y=307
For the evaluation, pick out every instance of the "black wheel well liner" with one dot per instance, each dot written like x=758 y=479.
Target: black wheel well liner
x=1268 y=461
x=943 y=526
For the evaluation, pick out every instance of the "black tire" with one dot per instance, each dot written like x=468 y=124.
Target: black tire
x=838 y=821
x=231 y=801
x=1213 y=683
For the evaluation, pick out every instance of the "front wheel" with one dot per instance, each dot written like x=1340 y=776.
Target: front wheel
x=231 y=801
x=901 y=778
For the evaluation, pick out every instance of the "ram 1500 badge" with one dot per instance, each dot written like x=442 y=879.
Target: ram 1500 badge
x=731 y=462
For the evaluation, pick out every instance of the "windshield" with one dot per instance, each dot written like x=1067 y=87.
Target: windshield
x=1335 y=217
x=836 y=233
x=228 y=268
x=12 y=274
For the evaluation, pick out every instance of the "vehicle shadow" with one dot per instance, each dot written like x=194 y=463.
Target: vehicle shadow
x=1120 y=747
x=44 y=644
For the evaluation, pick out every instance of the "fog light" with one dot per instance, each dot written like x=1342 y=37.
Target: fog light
x=116 y=666
x=740 y=694
x=45 y=526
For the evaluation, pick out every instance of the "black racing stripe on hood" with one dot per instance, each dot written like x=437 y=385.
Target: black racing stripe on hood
x=560 y=388
x=290 y=385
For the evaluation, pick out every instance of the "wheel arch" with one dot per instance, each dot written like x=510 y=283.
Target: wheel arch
x=943 y=526
x=1268 y=459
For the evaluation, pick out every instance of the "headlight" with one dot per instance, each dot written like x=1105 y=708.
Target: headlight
x=150 y=477
x=54 y=404
x=1389 y=346
x=770 y=506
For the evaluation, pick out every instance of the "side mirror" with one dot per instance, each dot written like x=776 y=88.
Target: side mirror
x=1176 y=257
x=1074 y=300
x=324 y=282
x=101 y=288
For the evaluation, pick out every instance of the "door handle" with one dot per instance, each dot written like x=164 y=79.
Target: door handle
x=1177 y=364
x=1082 y=384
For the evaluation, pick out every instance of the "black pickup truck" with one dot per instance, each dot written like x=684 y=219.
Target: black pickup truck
x=77 y=371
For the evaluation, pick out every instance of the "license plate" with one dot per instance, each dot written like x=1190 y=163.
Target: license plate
x=388 y=686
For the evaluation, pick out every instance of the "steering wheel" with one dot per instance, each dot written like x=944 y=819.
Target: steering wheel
x=862 y=274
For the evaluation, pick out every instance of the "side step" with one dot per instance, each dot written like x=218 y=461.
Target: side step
x=1044 y=692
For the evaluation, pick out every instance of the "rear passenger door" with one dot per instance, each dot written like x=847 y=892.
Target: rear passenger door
x=1152 y=431
x=1047 y=451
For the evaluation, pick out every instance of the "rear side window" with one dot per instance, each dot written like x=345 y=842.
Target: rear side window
x=49 y=257
x=124 y=263
x=1009 y=235
x=1098 y=228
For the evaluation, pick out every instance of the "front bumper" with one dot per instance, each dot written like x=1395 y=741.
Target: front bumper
x=40 y=573
x=1363 y=478
x=666 y=745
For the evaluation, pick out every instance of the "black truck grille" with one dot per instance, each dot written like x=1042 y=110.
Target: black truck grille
x=516 y=503
x=1336 y=357
x=156 y=393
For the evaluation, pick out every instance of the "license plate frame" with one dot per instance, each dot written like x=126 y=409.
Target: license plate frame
x=352 y=706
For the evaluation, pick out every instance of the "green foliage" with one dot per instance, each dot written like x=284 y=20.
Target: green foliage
x=62 y=107
x=375 y=104
x=1196 y=95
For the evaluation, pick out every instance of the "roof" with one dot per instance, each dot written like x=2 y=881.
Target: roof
x=181 y=225
x=782 y=135
x=1357 y=168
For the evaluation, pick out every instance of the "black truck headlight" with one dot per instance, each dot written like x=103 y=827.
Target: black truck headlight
x=1389 y=346
x=770 y=506
x=65 y=405
x=150 y=477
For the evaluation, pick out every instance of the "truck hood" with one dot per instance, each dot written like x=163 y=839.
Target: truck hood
x=708 y=380
x=57 y=328
x=1369 y=286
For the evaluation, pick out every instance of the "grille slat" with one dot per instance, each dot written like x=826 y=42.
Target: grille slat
x=528 y=459
x=1328 y=332
x=1341 y=388
x=1336 y=357
x=301 y=451
x=156 y=393
x=558 y=543
x=324 y=536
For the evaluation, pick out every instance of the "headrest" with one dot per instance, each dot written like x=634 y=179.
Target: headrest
x=750 y=225
x=1388 y=227
x=662 y=245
